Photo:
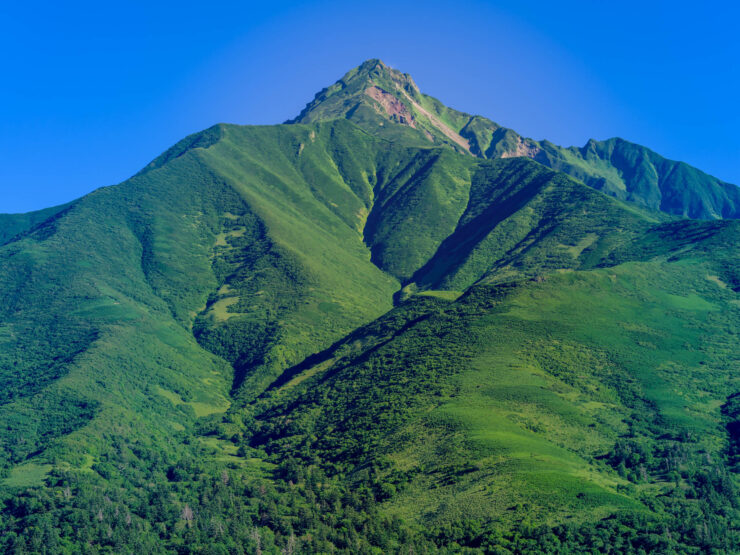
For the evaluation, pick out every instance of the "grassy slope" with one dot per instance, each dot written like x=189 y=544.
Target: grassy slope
x=309 y=188
x=89 y=340
x=100 y=305
x=511 y=396
x=16 y=224
x=263 y=243
x=634 y=173
x=523 y=219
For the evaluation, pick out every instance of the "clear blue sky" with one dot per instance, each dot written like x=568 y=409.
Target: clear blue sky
x=92 y=91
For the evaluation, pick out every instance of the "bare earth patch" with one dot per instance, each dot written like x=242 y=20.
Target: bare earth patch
x=438 y=123
x=526 y=149
x=719 y=282
x=392 y=106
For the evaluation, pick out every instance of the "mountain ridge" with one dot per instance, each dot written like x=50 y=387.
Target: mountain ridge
x=622 y=169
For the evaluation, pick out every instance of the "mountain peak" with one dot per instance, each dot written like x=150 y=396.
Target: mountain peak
x=376 y=69
x=387 y=103
x=372 y=63
x=342 y=98
x=373 y=94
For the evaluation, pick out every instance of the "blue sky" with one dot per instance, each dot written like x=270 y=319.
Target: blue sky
x=92 y=91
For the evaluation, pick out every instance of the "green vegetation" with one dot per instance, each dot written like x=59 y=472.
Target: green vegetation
x=544 y=396
x=16 y=224
x=27 y=475
x=634 y=173
x=381 y=328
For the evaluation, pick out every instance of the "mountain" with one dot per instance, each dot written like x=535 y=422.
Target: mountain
x=374 y=94
x=358 y=332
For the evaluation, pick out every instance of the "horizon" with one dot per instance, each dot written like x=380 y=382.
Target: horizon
x=127 y=86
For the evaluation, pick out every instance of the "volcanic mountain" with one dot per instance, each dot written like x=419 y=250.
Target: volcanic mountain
x=384 y=326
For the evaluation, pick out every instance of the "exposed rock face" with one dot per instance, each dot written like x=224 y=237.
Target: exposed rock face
x=437 y=123
x=393 y=107
x=523 y=148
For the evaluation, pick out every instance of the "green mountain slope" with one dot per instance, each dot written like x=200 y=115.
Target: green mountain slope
x=15 y=224
x=374 y=94
x=634 y=173
x=225 y=244
x=522 y=219
x=379 y=328
x=265 y=245
x=566 y=398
